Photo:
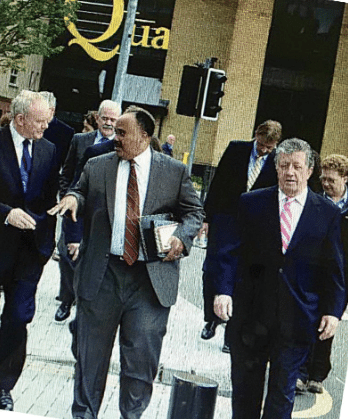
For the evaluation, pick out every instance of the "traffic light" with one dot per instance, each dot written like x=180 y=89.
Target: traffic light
x=213 y=92
x=189 y=91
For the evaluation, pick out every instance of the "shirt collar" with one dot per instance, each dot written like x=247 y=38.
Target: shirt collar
x=99 y=136
x=144 y=158
x=341 y=203
x=254 y=152
x=301 y=198
x=17 y=138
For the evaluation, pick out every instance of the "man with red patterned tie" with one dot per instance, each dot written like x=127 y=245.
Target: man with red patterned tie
x=289 y=285
x=115 y=284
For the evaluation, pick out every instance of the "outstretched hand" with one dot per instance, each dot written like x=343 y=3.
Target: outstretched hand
x=68 y=203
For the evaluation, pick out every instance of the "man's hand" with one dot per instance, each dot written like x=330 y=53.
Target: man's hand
x=328 y=326
x=223 y=307
x=69 y=202
x=175 y=250
x=73 y=249
x=20 y=219
x=204 y=230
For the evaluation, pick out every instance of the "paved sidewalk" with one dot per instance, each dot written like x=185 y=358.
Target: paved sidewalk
x=46 y=385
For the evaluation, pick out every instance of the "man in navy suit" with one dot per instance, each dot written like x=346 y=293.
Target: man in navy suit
x=58 y=133
x=288 y=284
x=28 y=187
x=71 y=235
x=230 y=181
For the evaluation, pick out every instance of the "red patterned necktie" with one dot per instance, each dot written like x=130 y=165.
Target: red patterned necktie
x=285 y=224
x=131 y=243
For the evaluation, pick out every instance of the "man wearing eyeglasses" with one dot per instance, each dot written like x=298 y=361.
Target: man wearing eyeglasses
x=71 y=235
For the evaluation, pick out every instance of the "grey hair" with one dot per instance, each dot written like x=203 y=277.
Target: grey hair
x=107 y=103
x=293 y=145
x=22 y=102
x=49 y=98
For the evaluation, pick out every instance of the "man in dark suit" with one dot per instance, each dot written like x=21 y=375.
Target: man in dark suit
x=245 y=165
x=71 y=234
x=167 y=147
x=114 y=284
x=58 y=133
x=28 y=187
x=334 y=179
x=288 y=284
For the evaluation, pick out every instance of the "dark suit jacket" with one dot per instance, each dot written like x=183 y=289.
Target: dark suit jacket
x=40 y=196
x=231 y=176
x=60 y=134
x=93 y=151
x=167 y=149
x=78 y=146
x=221 y=205
x=169 y=190
x=291 y=292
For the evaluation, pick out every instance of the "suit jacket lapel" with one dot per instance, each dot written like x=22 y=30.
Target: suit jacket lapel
x=304 y=224
x=156 y=164
x=37 y=160
x=274 y=219
x=110 y=184
x=10 y=158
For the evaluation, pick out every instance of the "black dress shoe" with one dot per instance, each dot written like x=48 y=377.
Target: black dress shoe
x=208 y=331
x=63 y=312
x=226 y=348
x=6 y=402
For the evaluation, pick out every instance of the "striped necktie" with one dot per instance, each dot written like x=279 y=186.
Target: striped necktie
x=25 y=168
x=131 y=243
x=254 y=173
x=285 y=223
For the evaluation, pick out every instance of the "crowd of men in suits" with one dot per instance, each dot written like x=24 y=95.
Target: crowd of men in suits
x=275 y=249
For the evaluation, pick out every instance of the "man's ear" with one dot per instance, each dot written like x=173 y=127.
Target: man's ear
x=310 y=172
x=19 y=119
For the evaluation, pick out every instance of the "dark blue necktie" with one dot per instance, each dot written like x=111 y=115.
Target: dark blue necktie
x=103 y=139
x=25 y=165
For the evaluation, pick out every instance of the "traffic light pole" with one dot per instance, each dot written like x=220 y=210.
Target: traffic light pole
x=193 y=143
x=209 y=62
x=122 y=63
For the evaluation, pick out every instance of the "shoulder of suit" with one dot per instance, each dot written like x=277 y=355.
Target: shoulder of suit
x=102 y=158
x=84 y=135
x=261 y=193
x=45 y=144
x=67 y=127
x=165 y=160
x=240 y=144
x=319 y=199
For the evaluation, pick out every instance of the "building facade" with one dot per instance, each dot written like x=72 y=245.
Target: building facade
x=13 y=81
x=284 y=60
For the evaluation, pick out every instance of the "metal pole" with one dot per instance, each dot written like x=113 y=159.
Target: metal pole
x=193 y=143
x=209 y=62
x=122 y=64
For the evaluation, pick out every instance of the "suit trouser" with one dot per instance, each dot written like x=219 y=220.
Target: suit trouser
x=19 y=308
x=126 y=299
x=67 y=269
x=248 y=377
x=318 y=365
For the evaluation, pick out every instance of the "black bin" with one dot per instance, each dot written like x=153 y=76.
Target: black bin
x=192 y=397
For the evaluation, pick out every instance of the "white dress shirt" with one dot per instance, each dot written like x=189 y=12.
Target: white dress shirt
x=18 y=143
x=296 y=207
x=142 y=169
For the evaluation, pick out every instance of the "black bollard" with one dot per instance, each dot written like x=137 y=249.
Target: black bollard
x=192 y=397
